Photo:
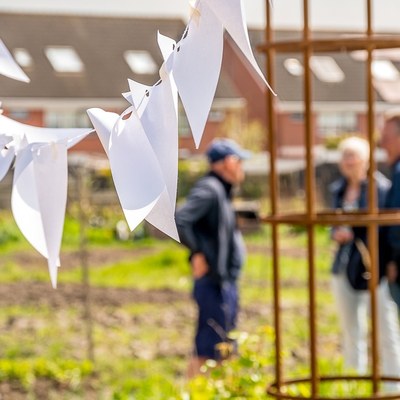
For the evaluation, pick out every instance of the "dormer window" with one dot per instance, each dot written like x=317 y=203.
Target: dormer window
x=64 y=59
x=141 y=62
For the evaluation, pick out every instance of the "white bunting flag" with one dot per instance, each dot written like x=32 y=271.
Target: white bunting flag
x=39 y=197
x=196 y=67
x=9 y=67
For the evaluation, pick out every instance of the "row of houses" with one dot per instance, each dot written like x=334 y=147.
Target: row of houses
x=79 y=62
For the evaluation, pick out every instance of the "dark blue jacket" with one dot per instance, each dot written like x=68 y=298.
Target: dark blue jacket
x=392 y=233
x=207 y=224
x=355 y=267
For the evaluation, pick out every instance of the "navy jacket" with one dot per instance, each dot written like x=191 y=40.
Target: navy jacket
x=207 y=224
x=392 y=233
x=355 y=267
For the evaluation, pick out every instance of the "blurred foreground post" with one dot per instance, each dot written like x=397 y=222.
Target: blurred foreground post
x=82 y=198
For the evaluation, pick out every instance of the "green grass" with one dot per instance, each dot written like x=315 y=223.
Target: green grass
x=61 y=371
x=11 y=239
x=142 y=348
x=12 y=272
x=168 y=268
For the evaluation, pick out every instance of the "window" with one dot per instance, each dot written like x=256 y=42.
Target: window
x=19 y=115
x=378 y=54
x=293 y=66
x=326 y=69
x=23 y=57
x=216 y=116
x=335 y=123
x=384 y=70
x=297 y=117
x=140 y=62
x=67 y=119
x=64 y=59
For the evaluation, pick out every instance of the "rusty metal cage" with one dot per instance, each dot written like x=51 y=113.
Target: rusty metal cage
x=371 y=218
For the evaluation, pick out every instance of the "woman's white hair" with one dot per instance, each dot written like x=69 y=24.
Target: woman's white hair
x=356 y=145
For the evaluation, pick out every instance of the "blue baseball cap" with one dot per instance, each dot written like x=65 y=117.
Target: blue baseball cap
x=221 y=148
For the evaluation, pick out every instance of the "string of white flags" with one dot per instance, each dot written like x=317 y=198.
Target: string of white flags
x=141 y=143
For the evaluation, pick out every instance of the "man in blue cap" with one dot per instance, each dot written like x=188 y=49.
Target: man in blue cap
x=207 y=226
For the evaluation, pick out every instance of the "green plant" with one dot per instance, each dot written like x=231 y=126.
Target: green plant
x=189 y=171
x=244 y=376
x=152 y=388
x=26 y=371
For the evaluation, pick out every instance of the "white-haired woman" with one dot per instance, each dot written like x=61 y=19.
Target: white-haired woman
x=350 y=278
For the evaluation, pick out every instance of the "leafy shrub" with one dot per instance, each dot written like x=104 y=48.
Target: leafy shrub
x=153 y=388
x=8 y=229
x=189 y=171
x=66 y=372
x=254 y=187
x=244 y=376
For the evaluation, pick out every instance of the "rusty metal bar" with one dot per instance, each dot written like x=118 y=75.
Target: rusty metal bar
x=272 y=142
x=334 y=44
x=370 y=218
x=331 y=218
x=310 y=199
x=274 y=193
x=387 y=396
x=372 y=233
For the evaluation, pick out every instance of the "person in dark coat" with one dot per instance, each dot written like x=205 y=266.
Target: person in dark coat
x=207 y=226
x=390 y=142
x=350 y=272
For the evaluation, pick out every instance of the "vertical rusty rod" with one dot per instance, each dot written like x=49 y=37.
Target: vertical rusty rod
x=274 y=190
x=310 y=198
x=372 y=233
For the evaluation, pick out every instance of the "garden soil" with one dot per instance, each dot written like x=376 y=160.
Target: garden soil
x=107 y=312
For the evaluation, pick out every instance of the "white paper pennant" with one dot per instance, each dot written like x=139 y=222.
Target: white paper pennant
x=34 y=134
x=39 y=192
x=231 y=14
x=196 y=67
x=160 y=123
x=39 y=197
x=136 y=173
x=139 y=95
x=9 y=67
x=141 y=143
x=6 y=159
x=7 y=154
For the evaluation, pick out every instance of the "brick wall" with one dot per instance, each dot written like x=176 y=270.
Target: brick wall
x=31 y=117
x=290 y=130
x=248 y=84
